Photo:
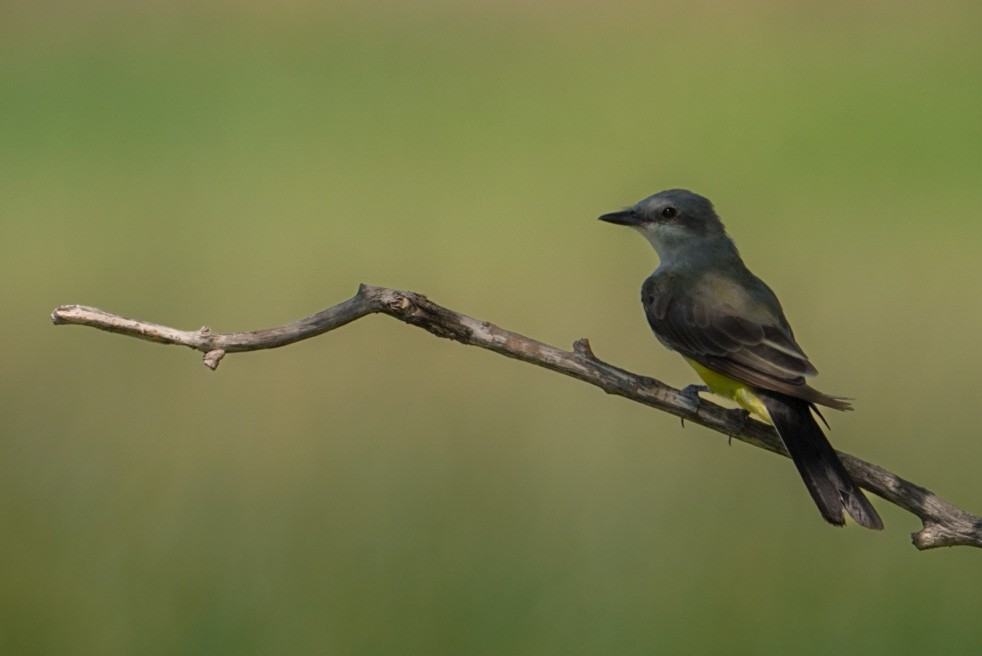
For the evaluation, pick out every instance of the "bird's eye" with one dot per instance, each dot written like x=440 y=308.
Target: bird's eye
x=669 y=212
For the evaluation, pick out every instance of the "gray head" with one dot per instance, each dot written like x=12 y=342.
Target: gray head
x=682 y=226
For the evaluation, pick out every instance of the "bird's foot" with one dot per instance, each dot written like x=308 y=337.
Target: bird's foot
x=691 y=392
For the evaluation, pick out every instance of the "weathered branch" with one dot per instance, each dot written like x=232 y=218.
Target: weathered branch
x=943 y=524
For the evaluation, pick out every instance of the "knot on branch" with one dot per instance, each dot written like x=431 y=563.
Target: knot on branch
x=399 y=303
x=420 y=311
x=213 y=358
x=582 y=347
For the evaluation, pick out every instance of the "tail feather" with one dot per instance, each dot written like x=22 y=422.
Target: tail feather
x=824 y=475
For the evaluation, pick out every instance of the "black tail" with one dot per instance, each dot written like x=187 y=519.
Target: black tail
x=826 y=477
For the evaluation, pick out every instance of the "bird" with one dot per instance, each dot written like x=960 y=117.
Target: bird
x=704 y=303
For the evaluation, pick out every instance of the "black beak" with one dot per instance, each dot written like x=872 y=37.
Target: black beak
x=625 y=217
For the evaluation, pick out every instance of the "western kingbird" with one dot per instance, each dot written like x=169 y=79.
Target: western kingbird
x=703 y=302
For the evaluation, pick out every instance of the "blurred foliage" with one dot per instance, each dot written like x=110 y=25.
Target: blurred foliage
x=377 y=490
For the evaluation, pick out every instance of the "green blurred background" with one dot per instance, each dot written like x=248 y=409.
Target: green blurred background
x=380 y=491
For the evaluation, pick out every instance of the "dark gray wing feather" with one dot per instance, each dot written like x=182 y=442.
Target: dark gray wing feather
x=763 y=354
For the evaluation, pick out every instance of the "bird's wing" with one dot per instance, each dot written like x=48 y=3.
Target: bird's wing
x=733 y=330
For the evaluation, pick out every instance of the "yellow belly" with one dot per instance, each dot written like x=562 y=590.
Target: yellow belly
x=732 y=389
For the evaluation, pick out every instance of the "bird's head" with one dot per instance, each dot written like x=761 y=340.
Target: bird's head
x=680 y=225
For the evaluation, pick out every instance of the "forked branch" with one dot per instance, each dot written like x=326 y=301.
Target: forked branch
x=944 y=525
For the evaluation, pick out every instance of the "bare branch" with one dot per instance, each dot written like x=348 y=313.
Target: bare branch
x=944 y=525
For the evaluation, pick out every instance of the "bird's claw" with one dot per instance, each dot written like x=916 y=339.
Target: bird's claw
x=691 y=392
